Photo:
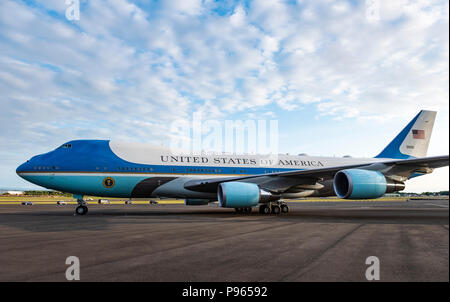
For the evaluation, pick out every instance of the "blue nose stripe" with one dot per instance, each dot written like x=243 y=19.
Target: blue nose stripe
x=121 y=186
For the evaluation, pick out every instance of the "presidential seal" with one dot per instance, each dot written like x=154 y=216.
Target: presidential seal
x=108 y=182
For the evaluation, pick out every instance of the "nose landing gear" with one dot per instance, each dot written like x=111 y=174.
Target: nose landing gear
x=82 y=208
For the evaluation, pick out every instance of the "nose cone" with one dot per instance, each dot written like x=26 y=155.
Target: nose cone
x=22 y=168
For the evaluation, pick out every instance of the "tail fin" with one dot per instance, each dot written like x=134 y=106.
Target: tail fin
x=413 y=140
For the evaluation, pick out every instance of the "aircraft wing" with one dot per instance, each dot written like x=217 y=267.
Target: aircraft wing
x=281 y=181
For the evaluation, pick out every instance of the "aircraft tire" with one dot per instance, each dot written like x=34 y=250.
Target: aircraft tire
x=276 y=209
x=261 y=209
x=81 y=210
x=266 y=210
x=284 y=208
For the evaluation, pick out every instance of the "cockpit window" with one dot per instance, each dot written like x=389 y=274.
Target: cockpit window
x=66 y=146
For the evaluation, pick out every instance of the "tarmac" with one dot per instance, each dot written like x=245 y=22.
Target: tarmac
x=315 y=241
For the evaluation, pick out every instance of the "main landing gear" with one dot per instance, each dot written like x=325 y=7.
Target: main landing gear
x=276 y=207
x=273 y=208
x=82 y=208
x=246 y=210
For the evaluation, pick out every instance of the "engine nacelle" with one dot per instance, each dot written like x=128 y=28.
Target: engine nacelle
x=242 y=194
x=196 y=202
x=362 y=184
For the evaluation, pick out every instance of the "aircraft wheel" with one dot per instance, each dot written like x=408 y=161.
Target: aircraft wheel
x=81 y=210
x=261 y=209
x=284 y=208
x=266 y=210
x=276 y=209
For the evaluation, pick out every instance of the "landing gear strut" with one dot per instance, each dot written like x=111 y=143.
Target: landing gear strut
x=276 y=208
x=82 y=209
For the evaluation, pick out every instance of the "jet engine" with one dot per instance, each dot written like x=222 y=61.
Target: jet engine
x=242 y=194
x=362 y=184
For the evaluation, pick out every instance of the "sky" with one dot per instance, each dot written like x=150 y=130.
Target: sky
x=339 y=77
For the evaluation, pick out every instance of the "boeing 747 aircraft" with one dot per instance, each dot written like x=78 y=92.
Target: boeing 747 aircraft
x=114 y=169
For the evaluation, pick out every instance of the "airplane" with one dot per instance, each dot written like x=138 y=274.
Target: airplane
x=130 y=170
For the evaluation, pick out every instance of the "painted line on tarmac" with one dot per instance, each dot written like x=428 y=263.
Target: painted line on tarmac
x=182 y=201
x=438 y=205
x=347 y=200
x=89 y=203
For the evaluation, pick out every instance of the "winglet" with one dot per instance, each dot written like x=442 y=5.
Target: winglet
x=413 y=140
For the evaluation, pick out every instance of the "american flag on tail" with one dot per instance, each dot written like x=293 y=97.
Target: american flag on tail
x=418 y=134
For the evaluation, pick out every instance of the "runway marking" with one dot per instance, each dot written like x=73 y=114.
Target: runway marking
x=90 y=202
x=438 y=205
x=179 y=201
x=347 y=200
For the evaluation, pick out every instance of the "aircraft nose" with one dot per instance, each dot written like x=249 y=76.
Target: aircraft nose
x=23 y=167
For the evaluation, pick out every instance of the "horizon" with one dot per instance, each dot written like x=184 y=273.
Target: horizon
x=50 y=190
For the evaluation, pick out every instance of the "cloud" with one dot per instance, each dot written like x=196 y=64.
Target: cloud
x=127 y=69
